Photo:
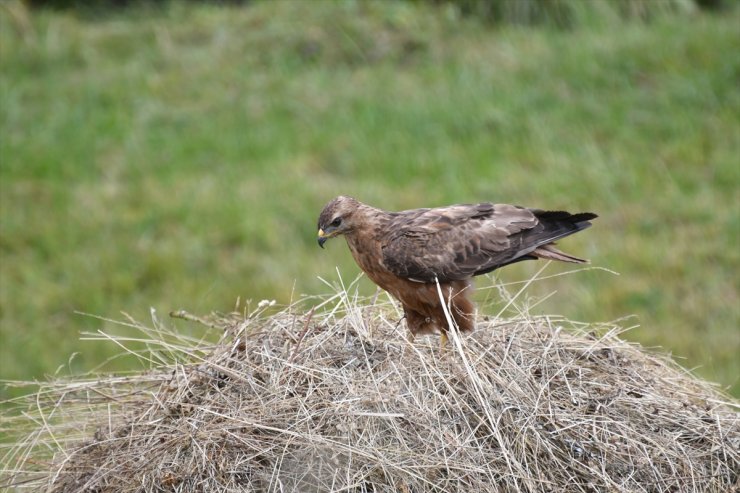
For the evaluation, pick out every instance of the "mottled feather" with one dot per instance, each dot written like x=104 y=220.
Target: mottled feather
x=406 y=252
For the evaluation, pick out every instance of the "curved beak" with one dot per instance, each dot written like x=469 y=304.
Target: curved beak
x=322 y=238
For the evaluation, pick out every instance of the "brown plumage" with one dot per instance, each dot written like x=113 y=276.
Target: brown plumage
x=406 y=252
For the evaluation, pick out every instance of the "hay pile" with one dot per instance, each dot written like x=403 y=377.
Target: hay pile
x=338 y=400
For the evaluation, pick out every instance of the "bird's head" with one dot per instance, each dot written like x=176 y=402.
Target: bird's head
x=337 y=218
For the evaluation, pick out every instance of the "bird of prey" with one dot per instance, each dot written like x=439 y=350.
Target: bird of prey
x=410 y=253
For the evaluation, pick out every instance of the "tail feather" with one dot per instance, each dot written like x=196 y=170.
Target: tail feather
x=549 y=252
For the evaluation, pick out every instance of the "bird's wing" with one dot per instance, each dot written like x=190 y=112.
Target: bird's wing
x=461 y=241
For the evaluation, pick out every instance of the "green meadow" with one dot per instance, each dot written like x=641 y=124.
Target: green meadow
x=178 y=157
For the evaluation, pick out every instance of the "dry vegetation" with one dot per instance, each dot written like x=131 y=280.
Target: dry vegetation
x=336 y=399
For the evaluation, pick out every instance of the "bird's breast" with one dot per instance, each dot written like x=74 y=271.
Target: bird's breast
x=368 y=255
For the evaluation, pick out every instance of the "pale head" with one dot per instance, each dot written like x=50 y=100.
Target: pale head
x=337 y=218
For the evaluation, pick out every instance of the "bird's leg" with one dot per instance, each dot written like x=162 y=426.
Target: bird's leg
x=443 y=340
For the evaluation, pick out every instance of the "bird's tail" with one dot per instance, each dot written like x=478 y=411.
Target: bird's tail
x=549 y=252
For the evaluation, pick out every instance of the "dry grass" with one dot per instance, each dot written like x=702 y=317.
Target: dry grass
x=337 y=399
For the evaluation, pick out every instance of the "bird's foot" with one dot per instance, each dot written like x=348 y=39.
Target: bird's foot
x=443 y=340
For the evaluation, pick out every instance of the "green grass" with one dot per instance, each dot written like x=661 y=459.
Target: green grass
x=179 y=157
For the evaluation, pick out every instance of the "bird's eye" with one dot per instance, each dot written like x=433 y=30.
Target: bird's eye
x=336 y=222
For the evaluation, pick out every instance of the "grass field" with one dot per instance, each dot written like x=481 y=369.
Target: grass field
x=178 y=157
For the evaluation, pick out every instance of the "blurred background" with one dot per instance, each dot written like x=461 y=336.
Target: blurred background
x=177 y=154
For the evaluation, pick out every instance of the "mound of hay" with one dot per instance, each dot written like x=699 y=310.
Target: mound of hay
x=340 y=401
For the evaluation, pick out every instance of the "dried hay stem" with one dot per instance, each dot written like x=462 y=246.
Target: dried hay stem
x=337 y=400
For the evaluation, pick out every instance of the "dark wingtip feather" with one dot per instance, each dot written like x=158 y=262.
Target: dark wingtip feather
x=582 y=220
x=563 y=216
x=558 y=224
x=583 y=216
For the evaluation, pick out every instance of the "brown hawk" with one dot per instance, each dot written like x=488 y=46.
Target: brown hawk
x=408 y=252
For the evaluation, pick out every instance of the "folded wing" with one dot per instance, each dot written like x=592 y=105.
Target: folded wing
x=461 y=241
